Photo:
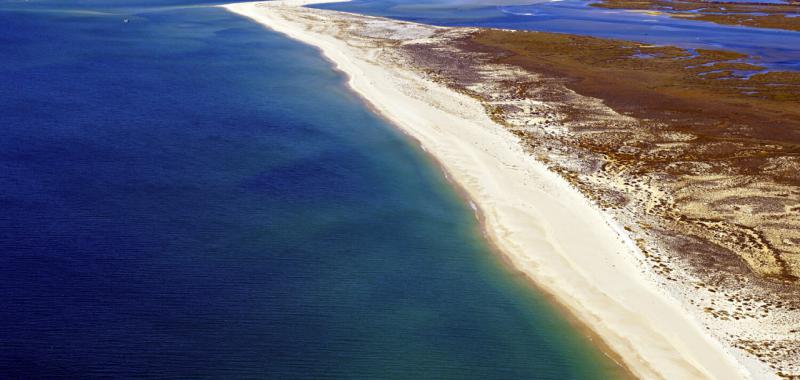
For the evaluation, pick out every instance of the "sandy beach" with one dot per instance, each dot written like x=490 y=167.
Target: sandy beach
x=547 y=229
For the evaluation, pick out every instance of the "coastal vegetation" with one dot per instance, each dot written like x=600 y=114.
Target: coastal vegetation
x=694 y=115
x=700 y=154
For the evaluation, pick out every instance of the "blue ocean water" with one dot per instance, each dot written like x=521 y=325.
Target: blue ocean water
x=184 y=194
x=776 y=49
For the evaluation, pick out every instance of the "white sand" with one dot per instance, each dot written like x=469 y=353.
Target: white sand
x=548 y=229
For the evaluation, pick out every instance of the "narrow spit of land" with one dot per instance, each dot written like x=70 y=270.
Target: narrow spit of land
x=521 y=143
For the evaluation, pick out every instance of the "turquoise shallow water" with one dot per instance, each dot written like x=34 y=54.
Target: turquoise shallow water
x=187 y=194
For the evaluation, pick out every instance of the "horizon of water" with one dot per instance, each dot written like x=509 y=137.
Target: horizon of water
x=187 y=194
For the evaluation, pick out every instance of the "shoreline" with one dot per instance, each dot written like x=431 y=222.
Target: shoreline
x=507 y=262
x=539 y=223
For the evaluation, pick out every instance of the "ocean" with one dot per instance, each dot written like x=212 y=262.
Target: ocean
x=185 y=194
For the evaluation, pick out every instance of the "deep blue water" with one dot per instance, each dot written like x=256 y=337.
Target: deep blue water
x=773 y=48
x=188 y=195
